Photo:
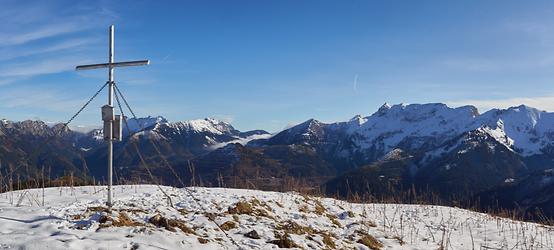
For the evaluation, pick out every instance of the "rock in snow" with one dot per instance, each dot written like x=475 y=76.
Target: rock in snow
x=75 y=218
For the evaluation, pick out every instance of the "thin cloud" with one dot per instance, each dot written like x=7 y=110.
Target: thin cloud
x=542 y=103
x=27 y=45
x=40 y=33
x=29 y=69
x=355 y=85
x=40 y=98
x=477 y=64
x=8 y=81
x=10 y=53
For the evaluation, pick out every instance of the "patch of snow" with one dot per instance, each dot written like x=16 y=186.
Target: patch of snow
x=72 y=219
x=509 y=180
x=241 y=141
x=394 y=154
x=150 y=134
x=138 y=124
x=204 y=125
x=499 y=135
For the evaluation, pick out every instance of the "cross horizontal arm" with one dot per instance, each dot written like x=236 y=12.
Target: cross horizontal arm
x=113 y=65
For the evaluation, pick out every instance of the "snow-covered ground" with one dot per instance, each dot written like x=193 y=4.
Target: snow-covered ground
x=73 y=218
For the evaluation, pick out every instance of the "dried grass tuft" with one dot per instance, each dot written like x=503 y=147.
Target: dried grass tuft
x=228 y=225
x=283 y=241
x=371 y=242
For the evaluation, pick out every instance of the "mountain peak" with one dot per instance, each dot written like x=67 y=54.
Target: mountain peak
x=142 y=123
x=383 y=108
x=358 y=120
x=525 y=108
x=214 y=120
x=311 y=122
x=206 y=125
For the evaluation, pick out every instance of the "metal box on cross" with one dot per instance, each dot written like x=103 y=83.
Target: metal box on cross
x=107 y=113
x=117 y=128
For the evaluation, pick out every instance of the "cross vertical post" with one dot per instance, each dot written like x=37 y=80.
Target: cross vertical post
x=111 y=120
x=110 y=126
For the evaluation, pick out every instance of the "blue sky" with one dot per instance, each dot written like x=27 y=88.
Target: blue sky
x=269 y=64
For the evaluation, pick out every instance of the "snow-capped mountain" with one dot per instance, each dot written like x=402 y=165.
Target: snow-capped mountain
x=29 y=145
x=450 y=151
x=423 y=127
x=528 y=129
x=201 y=134
x=139 y=124
x=204 y=134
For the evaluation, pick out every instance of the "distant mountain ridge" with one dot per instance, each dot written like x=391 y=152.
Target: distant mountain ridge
x=455 y=152
x=523 y=129
x=450 y=151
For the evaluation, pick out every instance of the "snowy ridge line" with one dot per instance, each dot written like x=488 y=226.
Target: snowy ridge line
x=241 y=141
x=73 y=218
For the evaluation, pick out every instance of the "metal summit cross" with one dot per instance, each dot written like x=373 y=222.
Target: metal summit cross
x=112 y=123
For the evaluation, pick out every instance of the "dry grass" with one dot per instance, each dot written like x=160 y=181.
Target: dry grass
x=123 y=220
x=279 y=204
x=369 y=223
x=254 y=208
x=329 y=241
x=304 y=209
x=283 y=241
x=242 y=207
x=105 y=220
x=228 y=225
x=211 y=216
x=333 y=219
x=319 y=208
x=183 y=211
x=170 y=224
x=291 y=227
x=400 y=240
x=97 y=210
x=181 y=225
x=370 y=241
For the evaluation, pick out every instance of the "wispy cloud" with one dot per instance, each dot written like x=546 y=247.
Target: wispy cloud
x=538 y=30
x=46 y=66
x=43 y=98
x=501 y=64
x=9 y=53
x=39 y=33
x=534 y=38
x=355 y=84
x=48 y=40
x=542 y=102
x=477 y=64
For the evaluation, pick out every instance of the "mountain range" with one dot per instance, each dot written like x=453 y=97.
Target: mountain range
x=503 y=158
